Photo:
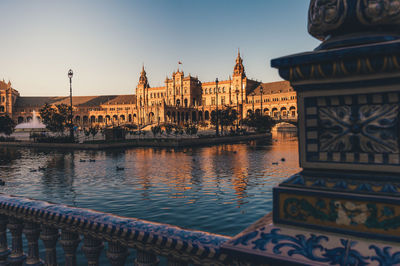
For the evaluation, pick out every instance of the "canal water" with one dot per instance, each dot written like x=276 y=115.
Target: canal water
x=220 y=189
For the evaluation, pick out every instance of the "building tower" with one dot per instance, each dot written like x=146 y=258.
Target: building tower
x=239 y=81
x=142 y=94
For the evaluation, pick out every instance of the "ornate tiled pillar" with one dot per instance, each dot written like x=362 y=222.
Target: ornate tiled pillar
x=344 y=207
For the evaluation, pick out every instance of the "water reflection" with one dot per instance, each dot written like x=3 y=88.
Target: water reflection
x=221 y=189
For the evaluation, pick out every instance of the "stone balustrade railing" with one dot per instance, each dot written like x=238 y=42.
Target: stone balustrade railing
x=68 y=225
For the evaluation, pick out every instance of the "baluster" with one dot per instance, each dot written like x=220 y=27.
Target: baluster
x=69 y=241
x=49 y=237
x=92 y=248
x=116 y=254
x=32 y=232
x=144 y=258
x=4 y=250
x=17 y=257
x=176 y=262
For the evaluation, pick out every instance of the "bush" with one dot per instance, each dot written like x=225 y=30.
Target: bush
x=115 y=133
x=131 y=126
x=191 y=129
x=51 y=139
x=7 y=125
x=156 y=130
x=168 y=128
x=261 y=123
x=7 y=139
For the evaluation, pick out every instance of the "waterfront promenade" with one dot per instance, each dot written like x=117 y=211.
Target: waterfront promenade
x=144 y=142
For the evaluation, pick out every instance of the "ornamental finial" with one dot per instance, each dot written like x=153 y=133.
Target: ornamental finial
x=343 y=22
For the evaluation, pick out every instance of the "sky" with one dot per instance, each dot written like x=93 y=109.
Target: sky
x=105 y=42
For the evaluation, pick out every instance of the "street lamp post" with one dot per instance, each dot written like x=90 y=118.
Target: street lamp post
x=237 y=107
x=71 y=129
x=216 y=92
x=261 y=91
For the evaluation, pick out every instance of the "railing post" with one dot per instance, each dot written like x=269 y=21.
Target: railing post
x=4 y=250
x=32 y=232
x=17 y=256
x=49 y=237
x=92 y=248
x=176 y=262
x=116 y=254
x=69 y=241
x=144 y=258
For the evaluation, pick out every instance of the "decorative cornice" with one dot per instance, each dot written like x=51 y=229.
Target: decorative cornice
x=340 y=63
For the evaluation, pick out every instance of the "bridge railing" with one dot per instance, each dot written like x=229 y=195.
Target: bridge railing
x=68 y=225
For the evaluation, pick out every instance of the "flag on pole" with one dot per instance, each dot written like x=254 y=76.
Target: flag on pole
x=179 y=63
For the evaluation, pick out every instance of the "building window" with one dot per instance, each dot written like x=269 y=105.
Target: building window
x=204 y=102
x=222 y=100
x=213 y=101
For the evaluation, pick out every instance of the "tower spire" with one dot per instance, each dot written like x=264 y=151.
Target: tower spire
x=143 y=77
x=239 y=68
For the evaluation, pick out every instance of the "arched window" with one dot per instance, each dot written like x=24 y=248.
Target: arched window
x=292 y=111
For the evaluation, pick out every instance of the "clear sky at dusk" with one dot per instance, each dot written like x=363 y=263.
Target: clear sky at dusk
x=105 y=42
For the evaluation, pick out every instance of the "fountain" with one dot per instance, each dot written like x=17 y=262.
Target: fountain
x=32 y=126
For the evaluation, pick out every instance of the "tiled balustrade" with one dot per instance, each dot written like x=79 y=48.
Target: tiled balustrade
x=52 y=223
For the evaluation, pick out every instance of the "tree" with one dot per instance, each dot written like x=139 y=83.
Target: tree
x=227 y=117
x=7 y=125
x=261 y=123
x=55 y=119
x=168 y=129
x=156 y=130
x=93 y=131
x=191 y=129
